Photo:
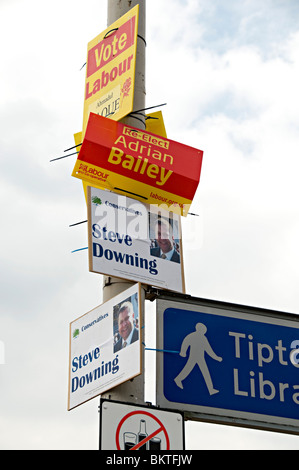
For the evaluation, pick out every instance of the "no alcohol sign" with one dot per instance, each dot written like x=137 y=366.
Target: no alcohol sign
x=124 y=426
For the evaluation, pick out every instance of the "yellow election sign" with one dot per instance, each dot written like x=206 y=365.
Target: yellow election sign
x=78 y=141
x=154 y=123
x=110 y=69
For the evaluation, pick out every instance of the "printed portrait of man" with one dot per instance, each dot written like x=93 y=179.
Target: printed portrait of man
x=164 y=245
x=128 y=332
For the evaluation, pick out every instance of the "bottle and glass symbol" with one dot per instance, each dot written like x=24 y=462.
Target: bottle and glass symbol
x=131 y=439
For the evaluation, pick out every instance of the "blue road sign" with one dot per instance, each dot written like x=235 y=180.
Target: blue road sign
x=229 y=362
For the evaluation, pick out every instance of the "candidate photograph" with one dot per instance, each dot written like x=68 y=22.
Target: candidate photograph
x=126 y=326
x=164 y=237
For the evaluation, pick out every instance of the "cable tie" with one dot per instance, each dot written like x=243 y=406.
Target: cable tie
x=71 y=148
x=137 y=118
x=111 y=30
x=129 y=192
x=80 y=249
x=65 y=156
x=136 y=112
x=150 y=117
x=162 y=350
x=150 y=107
x=78 y=223
x=142 y=39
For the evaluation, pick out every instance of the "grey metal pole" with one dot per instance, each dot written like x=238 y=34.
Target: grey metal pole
x=132 y=390
x=116 y=9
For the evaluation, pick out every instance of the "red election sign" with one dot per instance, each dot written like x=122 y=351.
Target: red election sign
x=139 y=164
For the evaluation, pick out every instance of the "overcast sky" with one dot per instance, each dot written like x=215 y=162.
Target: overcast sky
x=229 y=73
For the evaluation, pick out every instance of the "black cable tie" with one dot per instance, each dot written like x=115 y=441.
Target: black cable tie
x=82 y=67
x=129 y=192
x=78 y=223
x=135 y=117
x=142 y=39
x=65 y=156
x=114 y=29
x=71 y=148
x=151 y=107
x=137 y=112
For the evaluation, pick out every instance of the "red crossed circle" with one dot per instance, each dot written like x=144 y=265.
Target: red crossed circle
x=139 y=412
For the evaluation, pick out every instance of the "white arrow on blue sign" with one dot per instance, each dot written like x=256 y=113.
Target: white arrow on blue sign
x=227 y=363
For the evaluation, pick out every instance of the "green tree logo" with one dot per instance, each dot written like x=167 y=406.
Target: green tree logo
x=96 y=200
x=75 y=333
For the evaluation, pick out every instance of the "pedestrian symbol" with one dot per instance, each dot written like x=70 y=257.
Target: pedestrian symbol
x=198 y=345
x=228 y=362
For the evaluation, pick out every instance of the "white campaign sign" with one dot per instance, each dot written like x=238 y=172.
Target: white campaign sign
x=135 y=241
x=99 y=359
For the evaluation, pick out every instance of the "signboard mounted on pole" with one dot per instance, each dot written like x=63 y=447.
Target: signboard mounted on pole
x=105 y=347
x=139 y=164
x=228 y=364
x=110 y=69
x=154 y=123
x=135 y=241
x=126 y=426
